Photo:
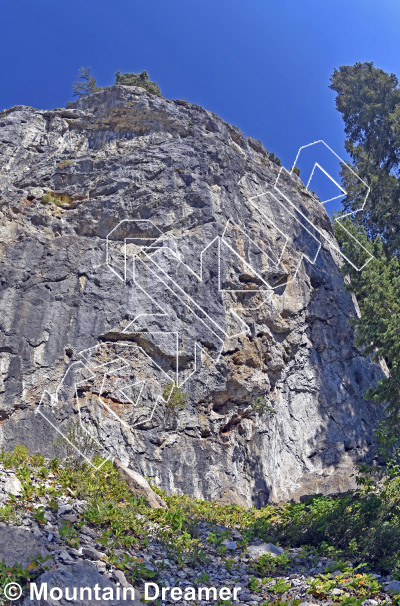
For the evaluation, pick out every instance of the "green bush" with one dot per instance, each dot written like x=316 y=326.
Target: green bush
x=17 y=457
x=174 y=397
x=261 y=406
x=141 y=79
x=362 y=525
x=365 y=525
x=51 y=197
x=274 y=158
x=22 y=575
x=268 y=564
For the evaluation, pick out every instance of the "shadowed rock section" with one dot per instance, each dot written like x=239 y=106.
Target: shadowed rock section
x=198 y=231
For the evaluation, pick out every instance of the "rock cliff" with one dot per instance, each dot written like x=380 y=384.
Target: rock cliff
x=144 y=244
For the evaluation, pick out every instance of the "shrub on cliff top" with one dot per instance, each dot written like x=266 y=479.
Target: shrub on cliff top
x=142 y=79
x=85 y=83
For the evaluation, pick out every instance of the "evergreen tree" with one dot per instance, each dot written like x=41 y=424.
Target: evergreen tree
x=85 y=83
x=369 y=101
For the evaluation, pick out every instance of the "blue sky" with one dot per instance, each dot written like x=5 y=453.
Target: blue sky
x=263 y=65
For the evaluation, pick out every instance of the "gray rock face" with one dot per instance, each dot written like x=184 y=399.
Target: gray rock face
x=140 y=486
x=81 y=575
x=19 y=545
x=164 y=252
x=258 y=549
x=13 y=486
x=393 y=587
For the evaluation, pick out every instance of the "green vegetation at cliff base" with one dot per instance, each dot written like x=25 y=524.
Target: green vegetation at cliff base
x=362 y=527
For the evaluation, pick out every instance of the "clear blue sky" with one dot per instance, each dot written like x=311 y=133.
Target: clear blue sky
x=263 y=65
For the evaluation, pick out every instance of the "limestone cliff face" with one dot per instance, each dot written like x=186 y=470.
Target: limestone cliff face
x=143 y=241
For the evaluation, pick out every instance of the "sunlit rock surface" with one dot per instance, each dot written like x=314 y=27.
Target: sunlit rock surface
x=128 y=214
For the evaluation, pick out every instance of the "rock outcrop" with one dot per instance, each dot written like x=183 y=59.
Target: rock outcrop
x=144 y=242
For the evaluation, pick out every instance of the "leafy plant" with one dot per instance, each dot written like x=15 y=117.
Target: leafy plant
x=268 y=564
x=22 y=575
x=261 y=406
x=133 y=568
x=58 y=199
x=203 y=579
x=216 y=539
x=38 y=515
x=174 y=397
x=332 y=527
x=230 y=564
x=8 y=514
x=69 y=534
x=19 y=455
x=279 y=586
x=254 y=584
x=182 y=547
x=350 y=581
